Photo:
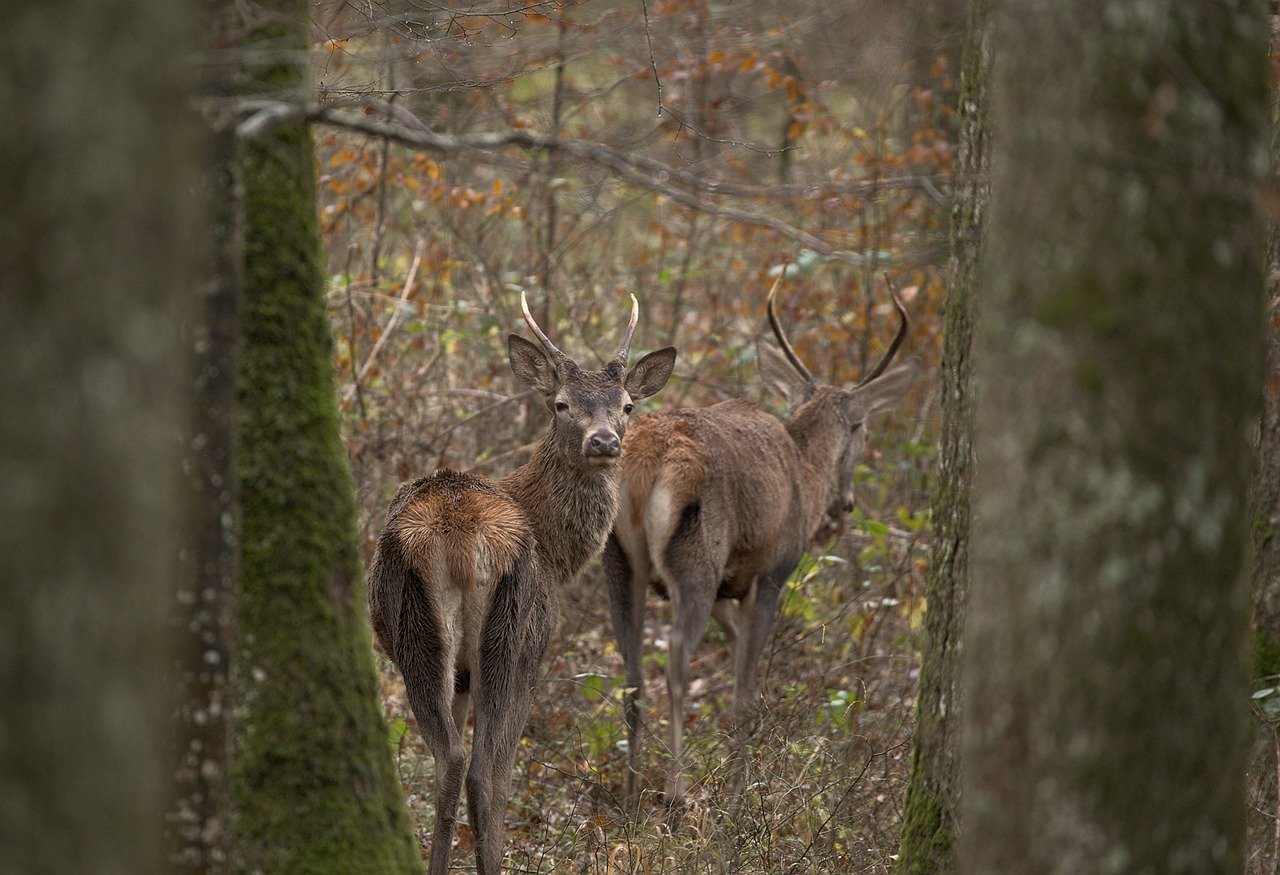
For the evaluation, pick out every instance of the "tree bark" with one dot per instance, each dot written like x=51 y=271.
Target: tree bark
x=929 y=819
x=1118 y=367
x=97 y=160
x=204 y=610
x=1266 y=478
x=313 y=780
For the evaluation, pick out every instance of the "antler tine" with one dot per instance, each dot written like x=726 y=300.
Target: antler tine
x=897 y=340
x=782 y=337
x=533 y=326
x=631 y=329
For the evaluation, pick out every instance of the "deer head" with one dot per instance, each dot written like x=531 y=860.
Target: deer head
x=840 y=412
x=589 y=408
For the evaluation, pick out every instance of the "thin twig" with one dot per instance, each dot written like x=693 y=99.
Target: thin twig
x=653 y=63
x=391 y=324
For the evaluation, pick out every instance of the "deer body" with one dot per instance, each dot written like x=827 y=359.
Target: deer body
x=717 y=508
x=462 y=589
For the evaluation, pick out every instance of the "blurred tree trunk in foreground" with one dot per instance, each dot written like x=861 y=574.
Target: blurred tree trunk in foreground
x=1264 y=845
x=929 y=822
x=313 y=780
x=1266 y=479
x=1118 y=362
x=204 y=612
x=96 y=162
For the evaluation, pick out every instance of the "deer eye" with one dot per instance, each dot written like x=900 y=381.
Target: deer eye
x=627 y=408
x=561 y=407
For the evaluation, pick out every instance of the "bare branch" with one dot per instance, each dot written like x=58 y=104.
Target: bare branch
x=637 y=170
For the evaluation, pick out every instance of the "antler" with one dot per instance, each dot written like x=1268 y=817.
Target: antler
x=782 y=337
x=537 y=332
x=897 y=340
x=631 y=329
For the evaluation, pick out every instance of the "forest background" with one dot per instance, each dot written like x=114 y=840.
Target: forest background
x=406 y=170
x=837 y=121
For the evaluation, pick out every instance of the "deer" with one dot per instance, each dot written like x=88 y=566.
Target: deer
x=462 y=587
x=719 y=505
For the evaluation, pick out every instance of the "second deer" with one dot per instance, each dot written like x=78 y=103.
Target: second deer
x=462 y=590
x=719 y=505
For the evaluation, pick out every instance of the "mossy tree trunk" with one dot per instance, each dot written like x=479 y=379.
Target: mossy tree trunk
x=929 y=818
x=97 y=159
x=313 y=780
x=1118 y=364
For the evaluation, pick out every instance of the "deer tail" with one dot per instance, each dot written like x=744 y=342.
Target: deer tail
x=674 y=499
x=394 y=592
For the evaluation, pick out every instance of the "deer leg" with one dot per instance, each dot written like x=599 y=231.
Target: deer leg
x=743 y=620
x=691 y=603
x=627 y=588
x=725 y=612
x=757 y=624
x=428 y=677
x=516 y=632
x=496 y=738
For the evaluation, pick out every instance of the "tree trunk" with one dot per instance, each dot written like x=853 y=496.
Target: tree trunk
x=97 y=163
x=313 y=780
x=929 y=822
x=204 y=612
x=1118 y=363
x=1266 y=478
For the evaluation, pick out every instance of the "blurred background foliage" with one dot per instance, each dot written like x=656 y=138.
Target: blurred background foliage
x=832 y=118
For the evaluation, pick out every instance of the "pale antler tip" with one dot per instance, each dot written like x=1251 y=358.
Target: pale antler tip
x=777 y=283
x=631 y=328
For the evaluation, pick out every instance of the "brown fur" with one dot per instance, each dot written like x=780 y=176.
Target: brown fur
x=476 y=534
x=721 y=503
x=462 y=589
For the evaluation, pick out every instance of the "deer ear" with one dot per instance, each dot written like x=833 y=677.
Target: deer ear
x=651 y=373
x=884 y=391
x=781 y=376
x=531 y=366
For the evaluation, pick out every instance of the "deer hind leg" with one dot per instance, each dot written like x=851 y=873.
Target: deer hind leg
x=627 y=580
x=692 y=581
x=429 y=678
x=757 y=614
x=516 y=632
x=725 y=612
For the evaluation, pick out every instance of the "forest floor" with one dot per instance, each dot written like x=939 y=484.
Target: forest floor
x=828 y=753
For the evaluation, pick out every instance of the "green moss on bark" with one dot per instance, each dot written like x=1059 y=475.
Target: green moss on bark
x=929 y=820
x=313 y=779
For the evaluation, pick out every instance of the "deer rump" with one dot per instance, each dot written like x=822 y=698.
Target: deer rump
x=471 y=542
x=710 y=493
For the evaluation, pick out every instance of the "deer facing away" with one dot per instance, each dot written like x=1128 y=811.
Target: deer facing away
x=718 y=506
x=462 y=588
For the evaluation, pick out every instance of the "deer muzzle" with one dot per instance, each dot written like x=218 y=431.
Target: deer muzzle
x=602 y=446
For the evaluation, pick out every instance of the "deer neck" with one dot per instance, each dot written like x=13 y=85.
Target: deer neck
x=818 y=431
x=570 y=506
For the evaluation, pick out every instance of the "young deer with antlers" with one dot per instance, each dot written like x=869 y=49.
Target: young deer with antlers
x=462 y=590
x=719 y=505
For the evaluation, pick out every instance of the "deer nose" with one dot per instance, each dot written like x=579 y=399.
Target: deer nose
x=604 y=443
